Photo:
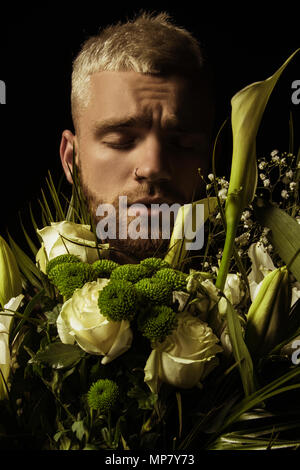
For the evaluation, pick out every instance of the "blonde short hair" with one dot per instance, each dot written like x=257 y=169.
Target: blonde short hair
x=149 y=44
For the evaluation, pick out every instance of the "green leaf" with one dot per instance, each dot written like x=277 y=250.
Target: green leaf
x=284 y=235
x=31 y=245
x=55 y=198
x=235 y=442
x=29 y=307
x=80 y=430
x=46 y=209
x=26 y=265
x=272 y=389
x=240 y=350
x=59 y=355
x=179 y=406
x=145 y=400
x=33 y=221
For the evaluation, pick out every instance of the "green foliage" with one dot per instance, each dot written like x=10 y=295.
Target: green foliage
x=59 y=355
x=27 y=267
x=146 y=399
x=240 y=350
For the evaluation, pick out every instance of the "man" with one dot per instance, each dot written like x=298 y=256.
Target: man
x=142 y=108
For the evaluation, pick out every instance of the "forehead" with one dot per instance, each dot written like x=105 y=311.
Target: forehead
x=120 y=94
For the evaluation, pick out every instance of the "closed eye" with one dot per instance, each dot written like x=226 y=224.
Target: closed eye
x=121 y=146
x=119 y=140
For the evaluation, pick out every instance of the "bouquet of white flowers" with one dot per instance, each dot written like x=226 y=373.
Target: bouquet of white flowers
x=160 y=355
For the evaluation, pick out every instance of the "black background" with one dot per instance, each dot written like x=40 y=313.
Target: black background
x=38 y=44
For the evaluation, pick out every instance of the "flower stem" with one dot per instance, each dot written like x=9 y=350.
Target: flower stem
x=226 y=258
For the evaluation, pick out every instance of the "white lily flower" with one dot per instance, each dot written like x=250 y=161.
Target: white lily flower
x=5 y=321
x=262 y=265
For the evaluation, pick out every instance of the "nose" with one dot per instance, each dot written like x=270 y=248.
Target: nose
x=153 y=162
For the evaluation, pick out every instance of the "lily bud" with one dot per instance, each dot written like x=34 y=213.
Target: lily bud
x=186 y=219
x=10 y=278
x=267 y=318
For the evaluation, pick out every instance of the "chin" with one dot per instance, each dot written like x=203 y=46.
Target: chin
x=136 y=250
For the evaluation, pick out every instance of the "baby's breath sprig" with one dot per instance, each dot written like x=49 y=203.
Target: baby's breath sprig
x=278 y=180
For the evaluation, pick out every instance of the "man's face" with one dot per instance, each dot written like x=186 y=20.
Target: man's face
x=144 y=137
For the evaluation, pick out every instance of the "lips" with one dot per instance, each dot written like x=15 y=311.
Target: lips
x=149 y=209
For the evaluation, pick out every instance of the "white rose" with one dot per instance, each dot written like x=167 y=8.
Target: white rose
x=185 y=357
x=5 y=320
x=80 y=320
x=206 y=293
x=65 y=237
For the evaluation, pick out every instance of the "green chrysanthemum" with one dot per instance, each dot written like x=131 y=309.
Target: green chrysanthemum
x=154 y=290
x=61 y=259
x=70 y=276
x=157 y=322
x=118 y=300
x=104 y=268
x=103 y=395
x=130 y=272
x=154 y=264
x=177 y=279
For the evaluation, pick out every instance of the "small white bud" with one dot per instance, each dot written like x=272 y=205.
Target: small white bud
x=222 y=193
x=284 y=194
x=262 y=165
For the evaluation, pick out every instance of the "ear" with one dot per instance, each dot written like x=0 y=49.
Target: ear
x=68 y=141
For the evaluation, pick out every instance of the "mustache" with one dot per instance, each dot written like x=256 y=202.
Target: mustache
x=168 y=195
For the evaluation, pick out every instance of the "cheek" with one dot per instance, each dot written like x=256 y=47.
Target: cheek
x=102 y=171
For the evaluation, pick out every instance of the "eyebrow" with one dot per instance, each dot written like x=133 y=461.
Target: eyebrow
x=102 y=128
